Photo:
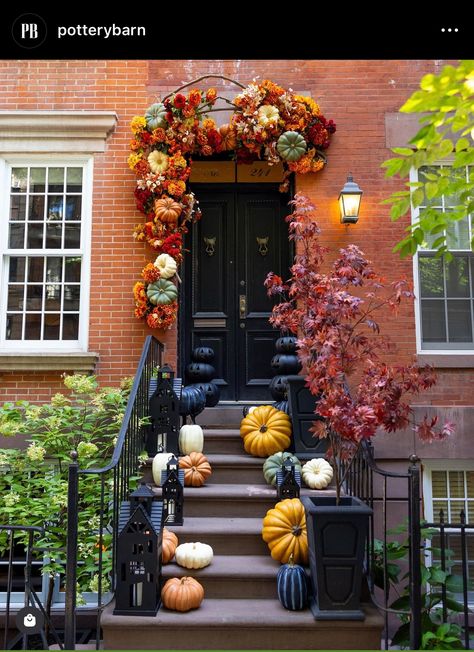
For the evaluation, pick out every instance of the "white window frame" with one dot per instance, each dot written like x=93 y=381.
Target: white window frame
x=45 y=346
x=416 y=288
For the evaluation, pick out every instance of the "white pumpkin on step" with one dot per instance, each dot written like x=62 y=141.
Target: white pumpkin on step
x=159 y=464
x=191 y=439
x=194 y=555
x=317 y=473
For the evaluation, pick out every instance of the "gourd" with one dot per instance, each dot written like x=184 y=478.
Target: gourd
x=265 y=431
x=228 y=137
x=317 y=473
x=167 y=210
x=182 y=594
x=196 y=469
x=284 y=531
x=162 y=292
x=283 y=406
x=275 y=462
x=155 y=116
x=167 y=265
x=292 y=586
x=286 y=344
x=279 y=388
x=169 y=545
x=200 y=372
x=291 y=146
x=212 y=392
x=194 y=555
x=203 y=354
x=191 y=439
x=285 y=363
x=158 y=465
x=192 y=400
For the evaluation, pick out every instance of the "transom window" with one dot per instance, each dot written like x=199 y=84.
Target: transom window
x=446 y=290
x=43 y=256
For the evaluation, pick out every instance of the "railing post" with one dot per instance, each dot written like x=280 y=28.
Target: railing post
x=71 y=554
x=414 y=531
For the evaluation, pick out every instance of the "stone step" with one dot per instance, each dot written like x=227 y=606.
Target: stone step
x=247 y=624
x=233 y=576
x=227 y=536
x=225 y=441
x=234 y=469
x=221 y=416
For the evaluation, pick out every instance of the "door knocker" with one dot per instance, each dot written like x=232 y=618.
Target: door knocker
x=262 y=245
x=210 y=245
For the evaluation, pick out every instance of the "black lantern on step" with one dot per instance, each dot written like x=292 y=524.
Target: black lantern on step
x=164 y=415
x=138 y=559
x=172 y=484
x=288 y=481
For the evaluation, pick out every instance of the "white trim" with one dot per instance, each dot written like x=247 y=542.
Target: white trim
x=439 y=465
x=33 y=346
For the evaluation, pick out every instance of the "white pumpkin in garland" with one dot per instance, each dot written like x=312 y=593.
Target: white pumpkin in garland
x=191 y=439
x=317 y=473
x=167 y=265
x=159 y=464
x=194 y=555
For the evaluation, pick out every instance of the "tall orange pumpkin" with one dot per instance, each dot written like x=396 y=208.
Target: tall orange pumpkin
x=196 y=469
x=169 y=545
x=265 y=431
x=284 y=530
x=182 y=594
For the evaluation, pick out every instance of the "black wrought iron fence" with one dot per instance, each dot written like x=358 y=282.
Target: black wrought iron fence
x=114 y=481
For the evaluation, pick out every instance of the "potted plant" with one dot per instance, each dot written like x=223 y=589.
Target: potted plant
x=335 y=315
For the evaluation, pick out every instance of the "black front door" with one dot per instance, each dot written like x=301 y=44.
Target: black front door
x=241 y=237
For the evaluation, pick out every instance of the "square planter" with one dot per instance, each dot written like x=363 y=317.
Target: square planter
x=337 y=535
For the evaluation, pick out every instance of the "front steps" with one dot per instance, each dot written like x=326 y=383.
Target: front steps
x=240 y=609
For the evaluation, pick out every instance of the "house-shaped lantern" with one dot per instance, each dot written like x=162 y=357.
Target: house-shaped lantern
x=138 y=558
x=164 y=414
x=288 y=481
x=172 y=484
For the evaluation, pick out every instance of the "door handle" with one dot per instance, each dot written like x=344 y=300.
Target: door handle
x=242 y=306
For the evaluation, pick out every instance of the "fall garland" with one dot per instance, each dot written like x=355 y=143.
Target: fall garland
x=268 y=123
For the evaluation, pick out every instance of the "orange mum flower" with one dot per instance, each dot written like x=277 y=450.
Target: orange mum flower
x=211 y=95
x=176 y=188
x=150 y=273
x=194 y=97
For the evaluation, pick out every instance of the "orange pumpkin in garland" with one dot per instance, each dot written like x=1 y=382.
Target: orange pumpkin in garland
x=167 y=210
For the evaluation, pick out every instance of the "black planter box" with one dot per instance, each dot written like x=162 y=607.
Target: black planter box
x=337 y=536
x=302 y=404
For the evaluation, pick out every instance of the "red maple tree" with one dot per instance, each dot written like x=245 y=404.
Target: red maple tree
x=335 y=316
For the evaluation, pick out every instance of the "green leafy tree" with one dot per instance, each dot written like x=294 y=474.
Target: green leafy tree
x=445 y=103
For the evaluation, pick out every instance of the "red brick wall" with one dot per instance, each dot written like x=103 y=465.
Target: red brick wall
x=356 y=94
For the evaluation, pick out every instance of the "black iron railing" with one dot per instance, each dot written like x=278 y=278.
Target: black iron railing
x=115 y=483
x=20 y=556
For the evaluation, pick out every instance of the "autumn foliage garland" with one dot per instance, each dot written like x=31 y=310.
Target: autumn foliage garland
x=340 y=345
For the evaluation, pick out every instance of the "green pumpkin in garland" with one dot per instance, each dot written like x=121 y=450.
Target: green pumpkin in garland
x=155 y=116
x=291 y=146
x=162 y=292
x=275 y=462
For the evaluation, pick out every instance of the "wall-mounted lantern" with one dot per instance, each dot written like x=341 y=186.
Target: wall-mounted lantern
x=349 y=201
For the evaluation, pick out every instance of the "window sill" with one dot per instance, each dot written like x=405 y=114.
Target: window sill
x=32 y=362
x=447 y=361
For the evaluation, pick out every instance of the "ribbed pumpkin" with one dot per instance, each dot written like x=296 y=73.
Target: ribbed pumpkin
x=167 y=210
x=182 y=594
x=265 y=431
x=228 y=137
x=291 y=146
x=194 y=555
x=162 y=292
x=196 y=469
x=275 y=462
x=155 y=116
x=284 y=530
x=167 y=265
x=169 y=545
x=292 y=586
x=317 y=473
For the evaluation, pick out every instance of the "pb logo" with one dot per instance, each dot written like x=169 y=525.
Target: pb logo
x=29 y=31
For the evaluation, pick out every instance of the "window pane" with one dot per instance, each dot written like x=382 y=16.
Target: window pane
x=457 y=277
x=34 y=297
x=439 y=484
x=35 y=236
x=19 y=179
x=470 y=484
x=53 y=297
x=15 y=297
x=72 y=236
x=74 y=180
x=437 y=201
x=53 y=236
x=456 y=484
x=36 y=209
x=73 y=207
x=17 y=268
x=470 y=512
x=439 y=505
x=35 y=269
x=54 y=269
x=459 y=321
x=70 y=327
x=55 y=179
x=433 y=320
x=32 y=327
x=18 y=207
x=55 y=207
x=71 y=297
x=16 y=239
x=457 y=506
x=51 y=326
x=457 y=235
x=14 y=326
x=431 y=277
x=73 y=269
x=37 y=179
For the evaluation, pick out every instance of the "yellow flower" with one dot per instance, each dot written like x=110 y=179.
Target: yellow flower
x=158 y=161
x=137 y=124
x=310 y=103
x=133 y=160
x=208 y=123
x=268 y=115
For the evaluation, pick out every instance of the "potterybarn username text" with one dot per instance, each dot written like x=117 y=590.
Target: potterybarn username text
x=103 y=31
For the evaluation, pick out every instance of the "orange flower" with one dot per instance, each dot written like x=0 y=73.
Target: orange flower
x=211 y=95
x=206 y=150
x=159 y=135
x=194 y=97
x=140 y=311
x=139 y=292
x=188 y=111
x=150 y=273
x=134 y=145
x=176 y=188
x=208 y=124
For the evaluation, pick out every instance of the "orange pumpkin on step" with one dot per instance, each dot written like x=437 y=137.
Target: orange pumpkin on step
x=265 y=431
x=196 y=469
x=182 y=594
x=284 y=530
x=167 y=210
x=169 y=545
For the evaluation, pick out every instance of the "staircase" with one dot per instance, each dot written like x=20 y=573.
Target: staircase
x=241 y=609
